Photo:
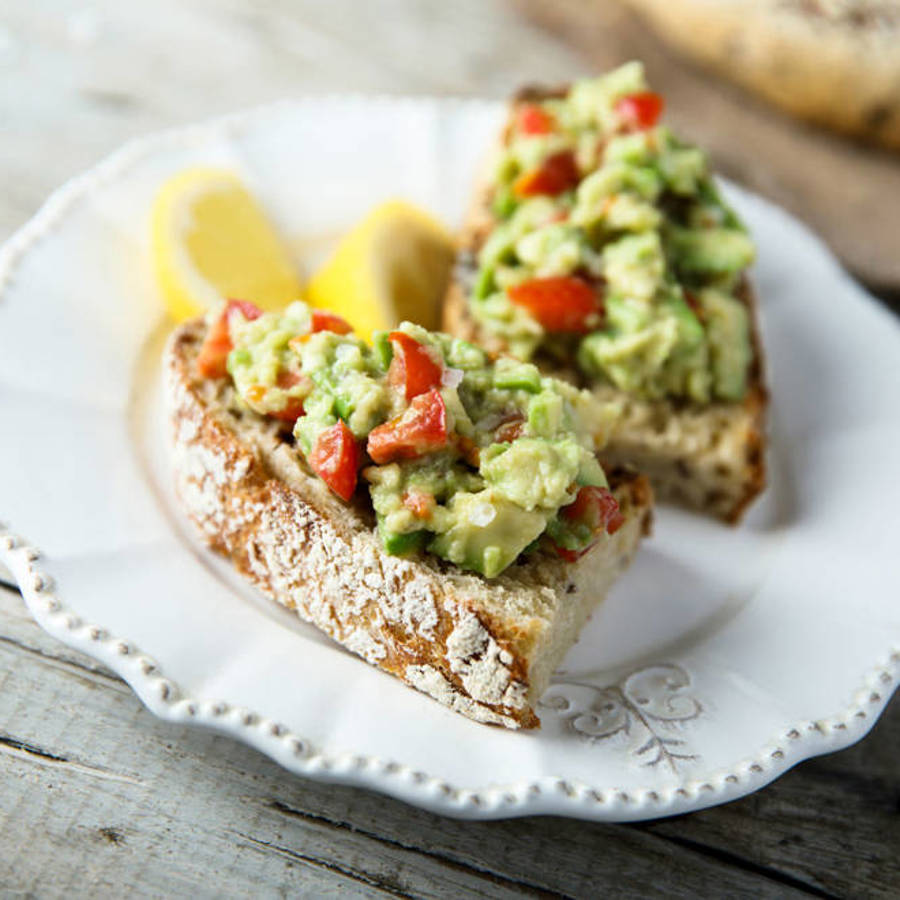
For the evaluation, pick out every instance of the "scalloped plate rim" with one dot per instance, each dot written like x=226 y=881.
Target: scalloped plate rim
x=550 y=795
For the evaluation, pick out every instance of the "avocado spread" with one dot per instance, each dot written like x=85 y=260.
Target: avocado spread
x=613 y=246
x=475 y=460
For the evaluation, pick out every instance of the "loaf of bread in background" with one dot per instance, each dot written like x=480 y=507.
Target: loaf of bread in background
x=835 y=62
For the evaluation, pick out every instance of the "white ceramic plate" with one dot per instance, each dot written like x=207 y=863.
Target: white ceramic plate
x=722 y=657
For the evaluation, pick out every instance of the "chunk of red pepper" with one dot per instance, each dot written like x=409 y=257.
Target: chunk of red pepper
x=596 y=508
x=534 y=119
x=420 y=429
x=638 y=112
x=213 y=356
x=557 y=173
x=560 y=303
x=335 y=459
x=413 y=370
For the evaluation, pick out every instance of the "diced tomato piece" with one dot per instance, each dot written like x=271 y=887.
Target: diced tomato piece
x=557 y=173
x=560 y=303
x=291 y=412
x=288 y=379
x=412 y=370
x=469 y=450
x=248 y=310
x=639 y=112
x=419 y=503
x=534 y=119
x=420 y=429
x=217 y=345
x=294 y=408
x=595 y=507
x=598 y=509
x=509 y=430
x=571 y=555
x=326 y=321
x=335 y=459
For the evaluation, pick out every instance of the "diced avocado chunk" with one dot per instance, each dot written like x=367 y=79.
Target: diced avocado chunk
x=709 y=251
x=319 y=415
x=546 y=412
x=504 y=202
x=595 y=193
x=484 y=282
x=533 y=472
x=626 y=359
x=553 y=249
x=682 y=169
x=487 y=532
x=590 y=472
x=237 y=358
x=511 y=374
x=625 y=314
x=463 y=355
x=634 y=265
x=690 y=331
x=384 y=350
x=728 y=328
x=401 y=544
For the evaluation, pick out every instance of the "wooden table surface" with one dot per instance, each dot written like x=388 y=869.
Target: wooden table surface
x=97 y=797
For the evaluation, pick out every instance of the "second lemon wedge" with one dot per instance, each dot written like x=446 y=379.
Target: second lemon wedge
x=211 y=240
x=394 y=265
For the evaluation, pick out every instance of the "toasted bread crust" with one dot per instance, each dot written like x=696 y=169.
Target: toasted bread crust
x=484 y=648
x=708 y=457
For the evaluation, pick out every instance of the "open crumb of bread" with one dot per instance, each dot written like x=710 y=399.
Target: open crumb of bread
x=484 y=647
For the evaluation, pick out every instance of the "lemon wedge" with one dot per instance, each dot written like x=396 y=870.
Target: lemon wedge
x=394 y=265
x=211 y=240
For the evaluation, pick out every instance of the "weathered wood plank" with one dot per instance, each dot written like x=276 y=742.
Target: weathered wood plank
x=90 y=775
x=834 y=823
x=113 y=777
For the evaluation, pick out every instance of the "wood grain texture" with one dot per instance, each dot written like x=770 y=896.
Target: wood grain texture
x=97 y=794
x=99 y=798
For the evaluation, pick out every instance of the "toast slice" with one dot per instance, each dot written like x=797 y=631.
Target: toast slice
x=709 y=457
x=485 y=648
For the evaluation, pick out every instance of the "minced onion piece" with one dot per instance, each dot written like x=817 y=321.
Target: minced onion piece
x=483 y=514
x=451 y=378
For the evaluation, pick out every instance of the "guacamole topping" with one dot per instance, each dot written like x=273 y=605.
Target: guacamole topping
x=475 y=460
x=613 y=246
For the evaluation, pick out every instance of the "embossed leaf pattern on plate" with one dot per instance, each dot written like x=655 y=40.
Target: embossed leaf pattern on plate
x=647 y=706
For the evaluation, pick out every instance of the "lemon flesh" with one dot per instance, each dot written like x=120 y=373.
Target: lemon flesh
x=211 y=241
x=393 y=266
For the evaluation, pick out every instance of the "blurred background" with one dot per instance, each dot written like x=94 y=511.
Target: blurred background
x=797 y=99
